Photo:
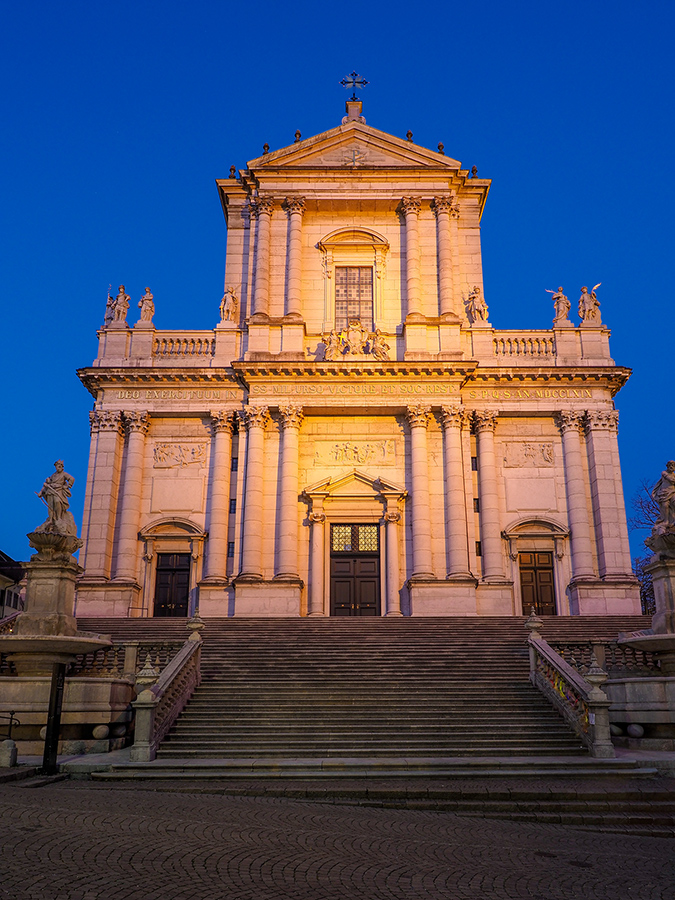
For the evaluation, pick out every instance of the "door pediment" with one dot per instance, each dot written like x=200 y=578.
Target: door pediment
x=355 y=484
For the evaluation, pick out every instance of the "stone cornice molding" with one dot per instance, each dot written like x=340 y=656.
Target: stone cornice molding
x=222 y=420
x=418 y=415
x=485 y=419
x=255 y=417
x=105 y=420
x=295 y=205
x=601 y=420
x=136 y=421
x=411 y=205
x=455 y=417
x=568 y=420
x=291 y=415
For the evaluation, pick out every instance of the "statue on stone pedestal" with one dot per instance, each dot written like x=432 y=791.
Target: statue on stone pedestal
x=476 y=306
x=589 y=306
x=228 y=305
x=109 y=314
x=562 y=306
x=664 y=494
x=378 y=346
x=119 y=305
x=55 y=492
x=333 y=344
x=147 y=306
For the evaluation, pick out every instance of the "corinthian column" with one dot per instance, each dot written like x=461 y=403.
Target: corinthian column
x=261 y=209
x=392 y=518
x=609 y=513
x=255 y=418
x=411 y=210
x=287 y=564
x=295 y=207
x=485 y=422
x=444 y=208
x=136 y=425
x=454 y=418
x=219 y=496
x=569 y=422
x=99 y=518
x=418 y=418
x=316 y=588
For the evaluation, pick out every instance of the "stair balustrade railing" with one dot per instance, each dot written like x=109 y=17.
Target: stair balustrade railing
x=618 y=660
x=578 y=698
x=159 y=705
x=7 y=624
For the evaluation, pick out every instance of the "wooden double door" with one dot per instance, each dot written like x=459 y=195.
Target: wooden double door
x=172 y=584
x=355 y=570
x=537 y=587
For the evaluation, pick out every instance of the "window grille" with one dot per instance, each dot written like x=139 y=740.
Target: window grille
x=353 y=296
x=355 y=539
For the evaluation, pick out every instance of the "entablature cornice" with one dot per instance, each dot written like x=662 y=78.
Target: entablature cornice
x=251 y=371
x=612 y=378
x=97 y=379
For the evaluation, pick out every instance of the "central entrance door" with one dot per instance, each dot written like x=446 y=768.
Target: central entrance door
x=354 y=570
x=536 y=583
x=172 y=584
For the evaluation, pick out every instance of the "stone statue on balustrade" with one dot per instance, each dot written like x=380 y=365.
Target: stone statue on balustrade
x=117 y=307
x=55 y=494
x=589 y=306
x=147 y=306
x=562 y=308
x=333 y=343
x=229 y=305
x=662 y=538
x=476 y=306
x=379 y=348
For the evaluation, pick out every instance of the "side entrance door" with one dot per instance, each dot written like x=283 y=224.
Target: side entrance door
x=354 y=570
x=172 y=584
x=536 y=583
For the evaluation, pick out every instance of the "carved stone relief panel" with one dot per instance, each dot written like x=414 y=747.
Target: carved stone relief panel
x=528 y=454
x=354 y=453
x=170 y=455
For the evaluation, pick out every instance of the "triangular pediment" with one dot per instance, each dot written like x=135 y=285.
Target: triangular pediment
x=354 y=145
x=355 y=483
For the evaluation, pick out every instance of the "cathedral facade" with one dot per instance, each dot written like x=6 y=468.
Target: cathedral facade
x=354 y=437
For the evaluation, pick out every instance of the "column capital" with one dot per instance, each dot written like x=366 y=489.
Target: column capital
x=222 y=420
x=105 y=420
x=568 y=420
x=291 y=415
x=136 y=421
x=484 y=419
x=255 y=417
x=455 y=417
x=446 y=204
x=392 y=517
x=418 y=415
x=601 y=420
x=411 y=205
x=317 y=518
x=295 y=205
x=261 y=204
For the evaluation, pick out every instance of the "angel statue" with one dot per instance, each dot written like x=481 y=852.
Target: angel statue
x=562 y=307
x=333 y=343
x=228 y=305
x=589 y=307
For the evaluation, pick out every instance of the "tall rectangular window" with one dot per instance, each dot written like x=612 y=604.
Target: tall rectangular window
x=353 y=296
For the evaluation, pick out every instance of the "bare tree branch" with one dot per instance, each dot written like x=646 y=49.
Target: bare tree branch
x=645 y=508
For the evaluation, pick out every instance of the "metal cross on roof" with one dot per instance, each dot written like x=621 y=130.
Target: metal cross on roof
x=352 y=82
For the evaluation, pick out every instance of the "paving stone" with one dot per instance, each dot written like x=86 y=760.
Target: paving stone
x=90 y=841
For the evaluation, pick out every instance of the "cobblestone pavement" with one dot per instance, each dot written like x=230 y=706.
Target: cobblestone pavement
x=84 y=841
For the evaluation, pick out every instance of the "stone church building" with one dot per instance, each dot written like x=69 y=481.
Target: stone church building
x=354 y=437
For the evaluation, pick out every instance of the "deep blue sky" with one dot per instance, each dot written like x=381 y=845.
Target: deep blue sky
x=118 y=117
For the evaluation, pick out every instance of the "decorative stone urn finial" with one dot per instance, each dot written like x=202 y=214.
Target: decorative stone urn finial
x=533 y=622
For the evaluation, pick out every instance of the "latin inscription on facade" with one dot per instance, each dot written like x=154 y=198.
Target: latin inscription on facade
x=174 y=394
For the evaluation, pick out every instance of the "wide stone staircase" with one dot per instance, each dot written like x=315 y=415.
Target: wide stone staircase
x=303 y=695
